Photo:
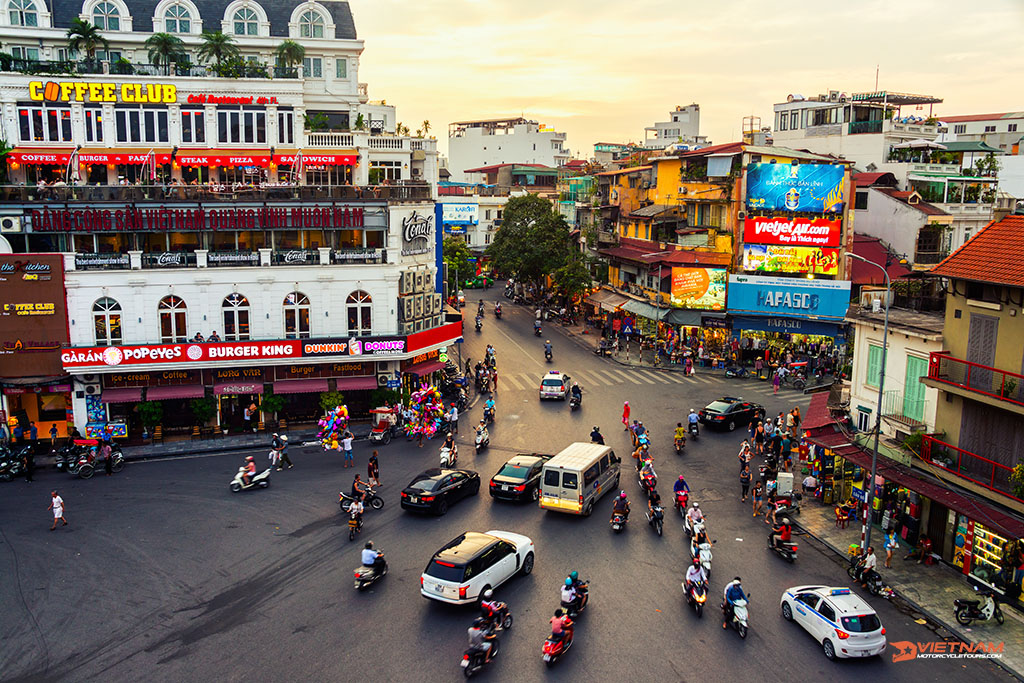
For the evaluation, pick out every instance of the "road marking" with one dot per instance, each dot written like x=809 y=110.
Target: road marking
x=585 y=377
x=640 y=375
x=510 y=378
x=616 y=376
x=629 y=377
x=675 y=377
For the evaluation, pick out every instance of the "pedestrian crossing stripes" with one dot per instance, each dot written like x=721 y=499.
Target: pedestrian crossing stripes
x=635 y=376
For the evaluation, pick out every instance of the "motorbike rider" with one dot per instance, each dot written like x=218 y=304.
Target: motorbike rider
x=536 y=325
x=372 y=558
x=497 y=309
x=648 y=475
x=449 y=443
x=561 y=624
x=547 y=347
x=479 y=321
x=694 y=515
x=356 y=511
x=480 y=637
x=596 y=436
x=653 y=501
x=489 y=406
x=695 y=575
x=733 y=592
x=867 y=566
x=569 y=594
x=577 y=392
x=782 y=532
x=250 y=470
x=493 y=611
x=680 y=433
x=699 y=538
x=621 y=506
x=693 y=420
x=681 y=485
x=481 y=431
x=359 y=488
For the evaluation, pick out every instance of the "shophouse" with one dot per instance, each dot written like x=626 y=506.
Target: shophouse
x=492 y=142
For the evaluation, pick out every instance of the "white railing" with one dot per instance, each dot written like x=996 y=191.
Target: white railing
x=329 y=139
x=388 y=142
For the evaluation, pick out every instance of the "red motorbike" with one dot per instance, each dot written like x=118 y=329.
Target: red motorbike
x=682 y=499
x=555 y=646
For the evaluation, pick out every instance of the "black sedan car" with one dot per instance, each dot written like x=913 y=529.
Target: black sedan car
x=729 y=412
x=434 y=490
x=519 y=478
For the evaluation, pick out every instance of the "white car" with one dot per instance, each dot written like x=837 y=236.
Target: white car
x=467 y=566
x=838 y=618
x=554 y=385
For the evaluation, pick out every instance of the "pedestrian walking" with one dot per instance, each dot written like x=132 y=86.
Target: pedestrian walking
x=625 y=416
x=454 y=418
x=494 y=379
x=891 y=545
x=757 y=496
x=30 y=466
x=53 y=436
x=744 y=455
x=346 y=446
x=373 y=470
x=744 y=483
x=759 y=438
x=33 y=435
x=5 y=433
x=107 y=453
x=284 y=452
x=57 y=505
x=795 y=432
x=776 y=382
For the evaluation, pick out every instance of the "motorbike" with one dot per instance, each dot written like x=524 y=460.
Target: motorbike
x=574 y=609
x=739 y=619
x=696 y=596
x=483 y=440
x=618 y=522
x=694 y=430
x=555 y=647
x=694 y=527
x=574 y=401
x=547 y=355
x=704 y=554
x=449 y=456
x=489 y=415
x=648 y=480
x=479 y=324
x=536 y=331
x=737 y=372
x=501 y=620
x=260 y=480
x=873 y=581
x=474 y=659
x=497 y=312
x=682 y=498
x=680 y=444
x=967 y=611
x=354 y=527
x=367 y=576
x=784 y=549
x=10 y=466
x=657 y=520
x=371 y=499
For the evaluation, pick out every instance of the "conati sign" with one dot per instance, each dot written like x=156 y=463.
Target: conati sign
x=796 y=232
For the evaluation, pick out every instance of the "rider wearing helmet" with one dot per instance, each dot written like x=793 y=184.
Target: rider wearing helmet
x=733 y=592
x=577 y=392
x=621 y=506
x=680 y=485
x=493 y=611
x=250 y=469
x=547 y=346
x=694 y=515
x=480 y=637
x=782 y=532
x=596 y=436
x=695 y=574
x=693 y=418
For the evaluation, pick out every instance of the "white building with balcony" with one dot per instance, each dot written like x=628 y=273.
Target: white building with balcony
x=682 y=129
x=489 y=142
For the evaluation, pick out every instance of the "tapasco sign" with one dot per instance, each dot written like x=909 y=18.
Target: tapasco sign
x=416 y=231
x=87 y=91
x=789 y=296
x=162 y=218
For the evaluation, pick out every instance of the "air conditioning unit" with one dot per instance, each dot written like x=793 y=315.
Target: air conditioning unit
x=683 y=190
x=405 y=283
x=823 y=98
x=407 y=328
x=438 y=304
x=405 y=307
x=741 y=215
x=92 y=389
x=417 y=311
x=90 y=378
x=418 y=325
x=10 y=224
x=417 y=280
x=873 y=298
x=833 y=95
x=382 y=380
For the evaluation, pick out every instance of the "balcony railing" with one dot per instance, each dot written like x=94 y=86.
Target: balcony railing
x=126 y=68
x=296 y=257
x=329 y=138
x=343 y=256
x=222 y=259
x=927 y=258
x=170 y=259
x=210 y=193
x=984 y=472
x=903 y=409
x=975 y=377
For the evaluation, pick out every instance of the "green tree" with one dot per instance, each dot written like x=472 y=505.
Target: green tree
x=382 y=395
x=203 y=409
x=272 y=404
x=360 y=123
x=165 y=48
x=217 y=46
x=574 y=277
x=329 y=400
x=533 y=240
x=5 y=152
x=289 y=53
x=151 y=413
x=456 y=254
x=85 y=37
x=425 y=127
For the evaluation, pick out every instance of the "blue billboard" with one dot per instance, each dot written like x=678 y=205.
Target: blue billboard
x=783 y=296
x=816 y=188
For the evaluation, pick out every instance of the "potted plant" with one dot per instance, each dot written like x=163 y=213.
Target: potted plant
x=272 y=404
x=151 y=413
x=224 y=427
x=203 y=410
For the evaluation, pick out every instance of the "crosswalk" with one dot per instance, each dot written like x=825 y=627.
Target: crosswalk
x=610 y=377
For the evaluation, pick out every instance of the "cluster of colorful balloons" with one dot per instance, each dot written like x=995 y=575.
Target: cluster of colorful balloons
x=332 y=425
x=427 y=408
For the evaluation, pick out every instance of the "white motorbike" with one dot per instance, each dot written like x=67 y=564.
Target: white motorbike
x=449 y=456
x=483 y=440
x=261 y=480
x=739 y=618
x=703 y=552
x=688 y=526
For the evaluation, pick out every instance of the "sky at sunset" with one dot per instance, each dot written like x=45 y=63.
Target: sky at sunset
x=602 y=70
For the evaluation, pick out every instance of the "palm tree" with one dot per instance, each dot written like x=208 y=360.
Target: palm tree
x=289 y=53
x=426 y=127
x=217 y=46
x=85 y=37
x=165 y=48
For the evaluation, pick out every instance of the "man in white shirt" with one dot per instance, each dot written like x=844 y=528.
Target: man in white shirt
x=868 y=568
x=695 y=574
x=57 y=505
x=455 y=419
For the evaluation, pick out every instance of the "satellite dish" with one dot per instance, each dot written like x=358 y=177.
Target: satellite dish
x=5 y=246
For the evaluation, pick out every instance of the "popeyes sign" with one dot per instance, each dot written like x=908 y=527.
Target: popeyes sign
x=788 y=231
x=150 y=354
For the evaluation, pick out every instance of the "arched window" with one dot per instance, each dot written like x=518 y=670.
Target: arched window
x=23 y=13
x=172 y=320
x=177 y=19
x=246 y=23
x=236 y=317
x=106 y=320
x=358 y=305
x=296 y=316
x=106 y=17
x=311 y=25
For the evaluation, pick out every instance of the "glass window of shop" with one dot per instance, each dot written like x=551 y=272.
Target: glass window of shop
x=286 y=239
x=253 y=240
x=140 y=124
x=139 y=174
x=173 y=328
x=93 y=124
x=328 y=175
x=113 y=242
x=245 y=175
x=44 y=124
x=987 y=553
x=314 y=239
x=193 y=125
x=285 y=127
x=221 y=240
x=96 y=174
x=184 y=241
x=349 y=239
x=359 y=307
x=296 y=316
x=106 y=318
x=374 y=239
x=388 y=170
x=241 y=125
x=235 y=309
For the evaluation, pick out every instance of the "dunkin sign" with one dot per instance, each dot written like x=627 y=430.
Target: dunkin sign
x=150 y=354
x=793 y=232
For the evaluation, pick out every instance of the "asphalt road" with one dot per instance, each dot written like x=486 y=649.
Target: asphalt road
x=165 y=575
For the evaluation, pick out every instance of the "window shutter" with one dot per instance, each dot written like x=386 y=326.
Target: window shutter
x=874 y=365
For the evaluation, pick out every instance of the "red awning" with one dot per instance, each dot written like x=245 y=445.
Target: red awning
x=424 y=368
x=300 y=386
x=977 y=510
x=356 y=383
x=176 y=391
x=121 y=395
x=47 y=157
x=318 y=159
x=130 y=157
x=237 y=388
x=229 y=158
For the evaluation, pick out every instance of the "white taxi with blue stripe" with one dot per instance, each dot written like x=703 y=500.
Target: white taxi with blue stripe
x=838 y=618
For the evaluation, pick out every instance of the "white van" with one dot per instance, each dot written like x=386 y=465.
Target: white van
x=576 y=478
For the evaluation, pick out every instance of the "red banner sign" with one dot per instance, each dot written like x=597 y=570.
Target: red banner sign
x=230 y=160
x=155 y=354
x=795 y=232
x=318 y=159
x=48 y=158
x=115 y=158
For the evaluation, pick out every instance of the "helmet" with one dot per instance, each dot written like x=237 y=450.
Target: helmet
x=559 y=612
x=488 y=593
x=785 y=520
x=697 y=506
x=574 y=575
x=596 y=428
x=479 y=621
x=275 y=434
x=568 y=581
x=249 y=459
x=737 y=579
x=681 y=478
x=692 y=410
x=696 y=562
x=369 y=545
x=547 y=341
x=622 y=494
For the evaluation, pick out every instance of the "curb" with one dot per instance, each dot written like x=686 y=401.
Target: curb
x=951 y=627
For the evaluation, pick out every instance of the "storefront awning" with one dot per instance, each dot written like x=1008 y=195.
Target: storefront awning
x=684 y=317
x=645 y=310
x=46 y=157
x=121 y=395
x=613 y=302
x=598 y=297
x=424 y=368
x=131 y=157
x=177 y=391
x=237 y=388
x=312 y=385
x=356 y=383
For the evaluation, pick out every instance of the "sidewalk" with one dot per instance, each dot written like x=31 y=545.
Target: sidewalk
x=590 y=339
x=928 y=589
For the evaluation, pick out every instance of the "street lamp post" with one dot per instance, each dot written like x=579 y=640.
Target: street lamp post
x=865 y=532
